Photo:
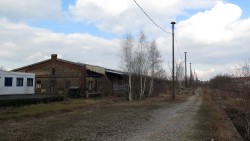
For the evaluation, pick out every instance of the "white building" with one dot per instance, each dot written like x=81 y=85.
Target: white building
x=14 y=83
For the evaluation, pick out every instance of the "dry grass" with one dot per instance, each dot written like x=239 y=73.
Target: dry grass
x=39 y=109
x=213 y=123
x=42 y=109
x=181 y=95
x=237 y=108
x=158 y=100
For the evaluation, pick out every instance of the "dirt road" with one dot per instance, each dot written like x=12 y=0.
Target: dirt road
x=163 y=121
x=171 y=123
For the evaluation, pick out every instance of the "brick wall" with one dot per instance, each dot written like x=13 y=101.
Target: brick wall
x=56 y=76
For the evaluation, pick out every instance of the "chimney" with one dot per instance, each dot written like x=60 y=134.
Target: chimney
x=53 y=56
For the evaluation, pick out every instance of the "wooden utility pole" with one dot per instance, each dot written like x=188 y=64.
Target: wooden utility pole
x=185 y=69
x=173 y=23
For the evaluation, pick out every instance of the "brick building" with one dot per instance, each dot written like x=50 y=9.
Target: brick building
x=57 y=76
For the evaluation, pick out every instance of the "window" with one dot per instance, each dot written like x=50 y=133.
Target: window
x=52 y=82
x=67 y=84
x=90 y=85
x=38 y=84
x=8 y=82
x=100 y=85
x=53 y=71
x=19 y=82
x=29 y=81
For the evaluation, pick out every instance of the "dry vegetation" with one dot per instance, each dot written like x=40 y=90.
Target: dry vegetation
x=212 y=121
x=232 y=93
x=71 y=104
x=43 y=109
x=237 y=108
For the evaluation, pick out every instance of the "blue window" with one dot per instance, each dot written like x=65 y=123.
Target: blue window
x=8 y=82
x=19 y=82
x=29 y=81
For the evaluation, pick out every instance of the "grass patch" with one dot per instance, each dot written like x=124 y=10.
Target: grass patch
x=206 y=124
x=39 y=109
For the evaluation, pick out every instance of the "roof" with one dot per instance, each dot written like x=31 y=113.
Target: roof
x=16 y=73
x=115 y=71
x=93 y=68
x=96 y=69
x=62 y=60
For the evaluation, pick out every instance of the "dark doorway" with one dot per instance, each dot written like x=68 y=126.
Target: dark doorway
x=52 y=86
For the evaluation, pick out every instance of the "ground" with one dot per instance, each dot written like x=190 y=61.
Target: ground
x=155 y=119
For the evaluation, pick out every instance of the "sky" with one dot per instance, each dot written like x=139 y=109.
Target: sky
x=214 y=33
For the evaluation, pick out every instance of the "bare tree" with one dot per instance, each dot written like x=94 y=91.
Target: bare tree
x=142 y=62
x=155 y=61
x=243 y=70
x=179 y=72
x=127 y=59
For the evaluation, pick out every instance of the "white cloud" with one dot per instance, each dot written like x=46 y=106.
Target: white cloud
x=217 y=37
x=218 y=25
x=214 y=39
x=205 y=74
x=120 y=16
x=22 y=45
x=30 y=9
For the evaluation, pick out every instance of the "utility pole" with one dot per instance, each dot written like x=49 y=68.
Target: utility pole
x=190 y=80
x=185 y=69
x=173 y=23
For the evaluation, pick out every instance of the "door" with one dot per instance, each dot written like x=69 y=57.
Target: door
x=52 y=87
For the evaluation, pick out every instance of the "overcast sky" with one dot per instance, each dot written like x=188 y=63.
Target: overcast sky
x=216 y=34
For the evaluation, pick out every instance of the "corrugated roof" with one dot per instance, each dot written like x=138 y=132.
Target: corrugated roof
x=115 y=71
x=96 y=69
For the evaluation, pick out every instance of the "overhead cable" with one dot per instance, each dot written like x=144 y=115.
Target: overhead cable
x=151 y=18
x=177 y=46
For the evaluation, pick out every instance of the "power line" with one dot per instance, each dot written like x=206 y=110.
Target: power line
x=151 y=18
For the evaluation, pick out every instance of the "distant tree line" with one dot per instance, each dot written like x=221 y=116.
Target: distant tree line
x=221 y=81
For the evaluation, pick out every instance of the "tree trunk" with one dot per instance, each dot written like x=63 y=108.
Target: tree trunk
x=141 y=88
x=130 y=89
x=144 y=85
x=151 y=86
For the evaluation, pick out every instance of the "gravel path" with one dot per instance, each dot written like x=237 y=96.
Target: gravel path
x=171 y=123
x=163 y=121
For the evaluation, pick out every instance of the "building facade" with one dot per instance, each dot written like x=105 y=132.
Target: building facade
x=57 y=76
x=16 y=83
